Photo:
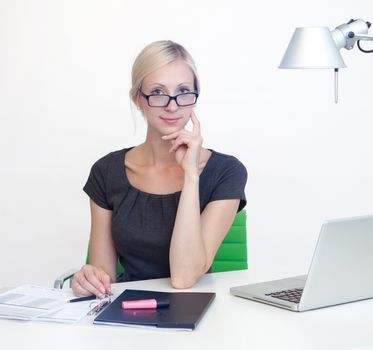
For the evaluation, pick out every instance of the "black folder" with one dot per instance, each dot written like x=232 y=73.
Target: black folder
x=184 y=312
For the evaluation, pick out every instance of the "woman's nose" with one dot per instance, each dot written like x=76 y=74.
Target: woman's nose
x=172 y=106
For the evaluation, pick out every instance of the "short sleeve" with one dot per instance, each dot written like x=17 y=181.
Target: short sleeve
x=231 y=183
x=95 y=186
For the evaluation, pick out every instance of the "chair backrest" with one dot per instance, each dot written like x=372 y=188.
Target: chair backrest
x=232 y=253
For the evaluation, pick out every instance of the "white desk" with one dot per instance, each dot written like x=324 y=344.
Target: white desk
x=229 y=323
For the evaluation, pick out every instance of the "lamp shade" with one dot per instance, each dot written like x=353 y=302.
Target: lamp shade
x=312 y=47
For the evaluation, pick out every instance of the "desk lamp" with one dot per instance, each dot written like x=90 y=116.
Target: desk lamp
x=318 y=47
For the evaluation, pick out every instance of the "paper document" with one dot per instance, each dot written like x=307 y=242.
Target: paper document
x=40 y=303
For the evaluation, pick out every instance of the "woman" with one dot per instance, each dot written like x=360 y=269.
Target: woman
x=164 y=206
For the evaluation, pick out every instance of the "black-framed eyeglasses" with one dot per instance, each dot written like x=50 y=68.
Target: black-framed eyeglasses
x=182 y=100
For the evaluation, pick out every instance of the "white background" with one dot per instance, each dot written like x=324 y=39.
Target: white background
x=64 y=82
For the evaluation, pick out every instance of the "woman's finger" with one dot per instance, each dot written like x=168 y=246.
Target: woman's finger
x=196 y=124
x=93 y=277
x=89 y=287
x=176 y=134
x=178 y=142
x=105 y=278
x=78 y=290
x=83 y=285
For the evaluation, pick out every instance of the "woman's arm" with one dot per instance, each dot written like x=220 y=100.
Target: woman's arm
x=96 y=277
x=102 y=250
x=196 y=237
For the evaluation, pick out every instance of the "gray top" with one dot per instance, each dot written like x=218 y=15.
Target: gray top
x=142 y=223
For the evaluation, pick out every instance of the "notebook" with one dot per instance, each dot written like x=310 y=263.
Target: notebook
x=184 y=312
x=341 y=270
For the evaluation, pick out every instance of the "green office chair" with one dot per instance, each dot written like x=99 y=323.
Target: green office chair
x=231 y=255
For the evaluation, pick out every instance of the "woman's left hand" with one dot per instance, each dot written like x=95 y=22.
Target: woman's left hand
x=187 y=146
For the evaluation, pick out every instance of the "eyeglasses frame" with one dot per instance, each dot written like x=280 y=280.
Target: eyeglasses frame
x=170 y=99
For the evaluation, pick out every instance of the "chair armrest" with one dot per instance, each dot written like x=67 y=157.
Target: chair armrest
x=60 y=280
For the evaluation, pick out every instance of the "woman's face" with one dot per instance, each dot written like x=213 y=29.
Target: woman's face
x=172 y=79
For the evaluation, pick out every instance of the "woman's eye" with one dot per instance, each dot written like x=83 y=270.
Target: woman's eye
x=157 y=92
x=184 y=90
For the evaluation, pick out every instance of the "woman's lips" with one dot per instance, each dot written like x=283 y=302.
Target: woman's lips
x=170 y=120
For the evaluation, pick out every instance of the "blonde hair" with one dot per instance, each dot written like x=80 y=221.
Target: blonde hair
x=155 y=56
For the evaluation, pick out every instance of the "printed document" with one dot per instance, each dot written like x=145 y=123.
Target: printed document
x=30 y=302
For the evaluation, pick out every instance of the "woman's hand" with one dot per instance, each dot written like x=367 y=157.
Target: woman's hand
x=187 y=146
x=91 y=280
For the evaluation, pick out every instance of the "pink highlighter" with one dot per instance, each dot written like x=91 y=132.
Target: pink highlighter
x=144 y=304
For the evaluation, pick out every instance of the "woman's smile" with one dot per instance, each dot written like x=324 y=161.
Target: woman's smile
x=171 y=120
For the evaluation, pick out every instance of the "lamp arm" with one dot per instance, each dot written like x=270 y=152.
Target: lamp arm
x=357 y=38
x=367 y=37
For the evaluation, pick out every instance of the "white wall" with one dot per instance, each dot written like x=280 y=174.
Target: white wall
x=64 y=81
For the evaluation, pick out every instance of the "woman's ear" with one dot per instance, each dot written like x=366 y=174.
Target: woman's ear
x=136 y=101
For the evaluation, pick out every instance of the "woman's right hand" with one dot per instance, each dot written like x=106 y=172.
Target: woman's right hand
x=91 y=280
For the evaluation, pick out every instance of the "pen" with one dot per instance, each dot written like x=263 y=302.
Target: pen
x=145 y=304
x=90 y=297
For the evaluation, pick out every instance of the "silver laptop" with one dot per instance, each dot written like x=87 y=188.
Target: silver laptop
x=341 y=270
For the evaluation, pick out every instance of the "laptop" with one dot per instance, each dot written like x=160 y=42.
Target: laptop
x=341 y=270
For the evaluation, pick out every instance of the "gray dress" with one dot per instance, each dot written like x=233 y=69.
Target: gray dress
x=142 y=223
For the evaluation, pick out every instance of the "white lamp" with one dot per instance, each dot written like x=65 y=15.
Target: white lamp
x=318 y=47
x=312 y=47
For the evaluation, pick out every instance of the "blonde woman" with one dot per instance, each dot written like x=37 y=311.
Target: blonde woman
x=162 y=207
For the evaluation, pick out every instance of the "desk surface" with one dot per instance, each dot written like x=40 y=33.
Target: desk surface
x=229 y=323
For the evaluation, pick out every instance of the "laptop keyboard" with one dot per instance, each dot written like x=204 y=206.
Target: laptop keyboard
x=292 y=295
